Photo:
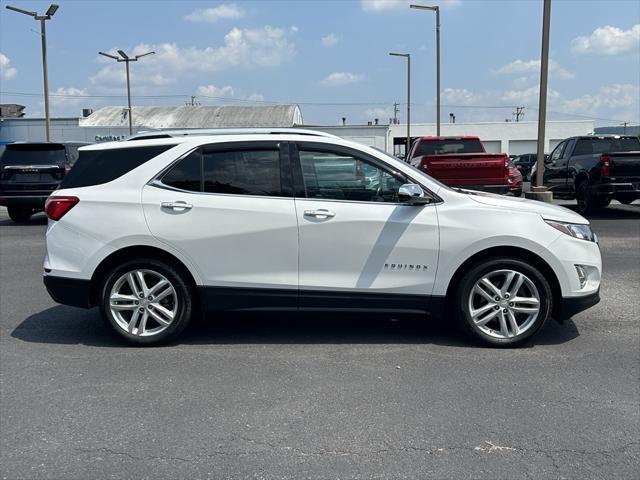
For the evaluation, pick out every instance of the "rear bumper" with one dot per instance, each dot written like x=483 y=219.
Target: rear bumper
x=626 y=189
x=69 y=291
x=573 y=305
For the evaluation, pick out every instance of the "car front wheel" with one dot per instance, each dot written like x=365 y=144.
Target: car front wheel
x=502 y=302
x=146 y=301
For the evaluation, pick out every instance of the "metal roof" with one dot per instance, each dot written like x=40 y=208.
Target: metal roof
x=197 y=117
x=227 y=131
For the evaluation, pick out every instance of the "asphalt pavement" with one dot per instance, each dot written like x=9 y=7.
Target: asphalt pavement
x=318 y=397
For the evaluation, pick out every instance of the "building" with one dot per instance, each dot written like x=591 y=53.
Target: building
x=112 y=123
x=11 y=110
x=513 y=138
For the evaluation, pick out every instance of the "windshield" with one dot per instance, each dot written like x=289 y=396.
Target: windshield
x=33 y=154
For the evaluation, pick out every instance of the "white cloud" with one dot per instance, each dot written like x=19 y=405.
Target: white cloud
x=262 y=47
x=461 y=96
x=383 y=114
x=212 y=15
x=532 y=67
x=68 y=97
x=6 y=70
x=527 y=96
x=226 y=92
x=618 y=101
x=382 y=5
x=330 y=40
x=608 y=40
x=341 y=78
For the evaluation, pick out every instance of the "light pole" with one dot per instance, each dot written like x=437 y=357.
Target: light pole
x=127 y=59
x=408 y=57
x=43 y=38
x=437 y=10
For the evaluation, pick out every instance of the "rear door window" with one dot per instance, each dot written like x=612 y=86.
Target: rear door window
x=441 y=147
x=241 y=171
x=95 y=167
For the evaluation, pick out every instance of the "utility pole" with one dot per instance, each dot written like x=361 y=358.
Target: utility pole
x=43 y=38
x=408 y=57
x=539 y=192
x=436 y=9
x=519 y=113
x=127 y=59
x=625 y=127
x=396 y=109
x=193 y=102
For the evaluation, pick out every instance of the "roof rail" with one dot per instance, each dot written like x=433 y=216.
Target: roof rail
x=153 y=134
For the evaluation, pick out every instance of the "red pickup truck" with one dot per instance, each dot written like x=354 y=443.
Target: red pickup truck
x=462 y=162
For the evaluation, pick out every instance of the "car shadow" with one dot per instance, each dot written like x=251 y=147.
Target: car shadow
x=37 y=219
x=613 y=212
x=72 y=326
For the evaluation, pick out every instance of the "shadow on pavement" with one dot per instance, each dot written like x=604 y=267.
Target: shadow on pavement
x=613 y=212
x=70 y=326
x=37 y=219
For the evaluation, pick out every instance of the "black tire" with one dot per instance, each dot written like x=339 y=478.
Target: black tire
x=184 y=295
x=19 y=214
x=461 y=309
x=587 y=203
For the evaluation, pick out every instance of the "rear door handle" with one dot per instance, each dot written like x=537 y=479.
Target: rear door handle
x=177 y=205
x=319 y=213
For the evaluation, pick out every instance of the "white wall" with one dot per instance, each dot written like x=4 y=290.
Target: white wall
x=62 y=129
x=503 y=132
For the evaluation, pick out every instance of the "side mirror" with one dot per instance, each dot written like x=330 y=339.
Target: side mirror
x=412 y=194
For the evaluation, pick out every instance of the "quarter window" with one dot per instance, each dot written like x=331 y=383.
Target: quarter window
x=186 y=174
x=343 y=177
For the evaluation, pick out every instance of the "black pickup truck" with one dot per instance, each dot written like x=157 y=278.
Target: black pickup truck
x=594 y=170
x=29 y=172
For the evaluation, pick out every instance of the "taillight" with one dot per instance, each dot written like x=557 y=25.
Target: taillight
x=605 y=166
x=56 y=207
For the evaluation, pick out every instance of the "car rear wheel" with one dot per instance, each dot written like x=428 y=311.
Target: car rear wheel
x=19 y=214
x=502 y=302
x=588 y=203
x=147 y=301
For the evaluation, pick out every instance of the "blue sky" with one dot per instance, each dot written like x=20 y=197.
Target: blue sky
x=330 y=56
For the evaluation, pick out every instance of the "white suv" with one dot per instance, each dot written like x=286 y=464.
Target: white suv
x=155 y=231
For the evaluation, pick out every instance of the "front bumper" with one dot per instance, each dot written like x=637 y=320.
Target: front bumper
x=69 y=291
x=571 y=306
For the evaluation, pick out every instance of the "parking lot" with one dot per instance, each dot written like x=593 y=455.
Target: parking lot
x=318 y=397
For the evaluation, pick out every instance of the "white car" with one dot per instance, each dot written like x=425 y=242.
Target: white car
x=155 y=231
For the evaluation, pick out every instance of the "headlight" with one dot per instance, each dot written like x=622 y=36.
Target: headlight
x=583 y=232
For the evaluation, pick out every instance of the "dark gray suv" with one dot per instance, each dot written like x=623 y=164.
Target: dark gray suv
x=29 y=172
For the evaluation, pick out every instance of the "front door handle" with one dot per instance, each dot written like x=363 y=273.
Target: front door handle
x=178 y=206
x=320 y=213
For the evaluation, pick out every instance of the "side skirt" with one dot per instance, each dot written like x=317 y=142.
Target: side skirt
x=267 y=299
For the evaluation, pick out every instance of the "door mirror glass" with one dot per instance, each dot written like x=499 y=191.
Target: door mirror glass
x=412 y=194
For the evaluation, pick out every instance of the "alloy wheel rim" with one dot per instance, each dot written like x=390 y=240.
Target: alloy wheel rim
x=504 y=304
x=143 y=302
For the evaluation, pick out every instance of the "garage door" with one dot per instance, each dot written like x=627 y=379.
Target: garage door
x=492 y=146
x=520 y=147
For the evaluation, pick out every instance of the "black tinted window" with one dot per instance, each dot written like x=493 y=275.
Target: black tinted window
x=343 y=177
x=186 y=174
x=33 y=154
x=95 y=167
x=243 y=172
x=438 y=147
x=588 y=146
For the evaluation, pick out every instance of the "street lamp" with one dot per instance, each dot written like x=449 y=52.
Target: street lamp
x=437 y=10
x=126 y=59
x=408 y=57
x=43 y=37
